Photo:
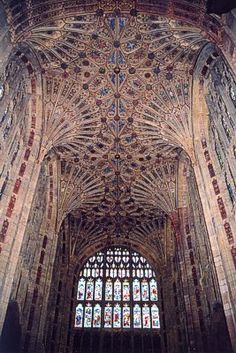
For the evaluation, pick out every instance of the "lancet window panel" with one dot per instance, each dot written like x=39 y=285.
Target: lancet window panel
x=117 y=289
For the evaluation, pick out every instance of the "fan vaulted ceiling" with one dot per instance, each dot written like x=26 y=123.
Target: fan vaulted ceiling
x=117 y=103
x=120 y=110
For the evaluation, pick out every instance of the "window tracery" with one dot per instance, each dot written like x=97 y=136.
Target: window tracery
x=117 y=289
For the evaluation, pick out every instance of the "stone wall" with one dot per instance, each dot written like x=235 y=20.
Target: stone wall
x=214 y=166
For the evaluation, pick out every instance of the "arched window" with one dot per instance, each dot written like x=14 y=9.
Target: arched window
x=117 y=289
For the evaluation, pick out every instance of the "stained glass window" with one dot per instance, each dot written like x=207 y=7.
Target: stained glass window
x=81 y=289
x=108 y=316
x=146 y=316
x=153 y=290
x=117 y=288
x=117 y=316
x=88 y=316
x=136 y=290
x=137 y=316
x=97 y=316
x=89 y=291
x=155 y=316
x=126 y=294
x=98 y=289
x=126 y=317
x=145 y=291
x=108 y=290
x=79 y=316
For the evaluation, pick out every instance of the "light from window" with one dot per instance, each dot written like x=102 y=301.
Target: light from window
x=117 y=289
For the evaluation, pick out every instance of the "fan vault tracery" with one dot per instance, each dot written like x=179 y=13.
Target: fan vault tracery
x=117 y=114
x=110 y=104
x=116 y=107
x=88 y=234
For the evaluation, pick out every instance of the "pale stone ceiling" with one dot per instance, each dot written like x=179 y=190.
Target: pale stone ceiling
x=117 y=102
x=119 y=108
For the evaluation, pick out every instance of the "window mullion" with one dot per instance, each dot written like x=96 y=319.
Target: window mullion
x=126 y=260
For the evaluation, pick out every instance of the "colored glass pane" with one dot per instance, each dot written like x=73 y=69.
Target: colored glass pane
x=145 y=291
x=126 y=317
x=153 y=290
x=108 y=292
x=155 y=317
x=97 y=316
x=137 y=316
x=117 y=316
x=136 y=290
x=108 y=317
x=79 y=316
x=146 y=317
x=112 y=277
x=117 y=290
x=98 y=289
x=89 y=290
x=81 y=289
x=88 y=316
x=126 y=291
